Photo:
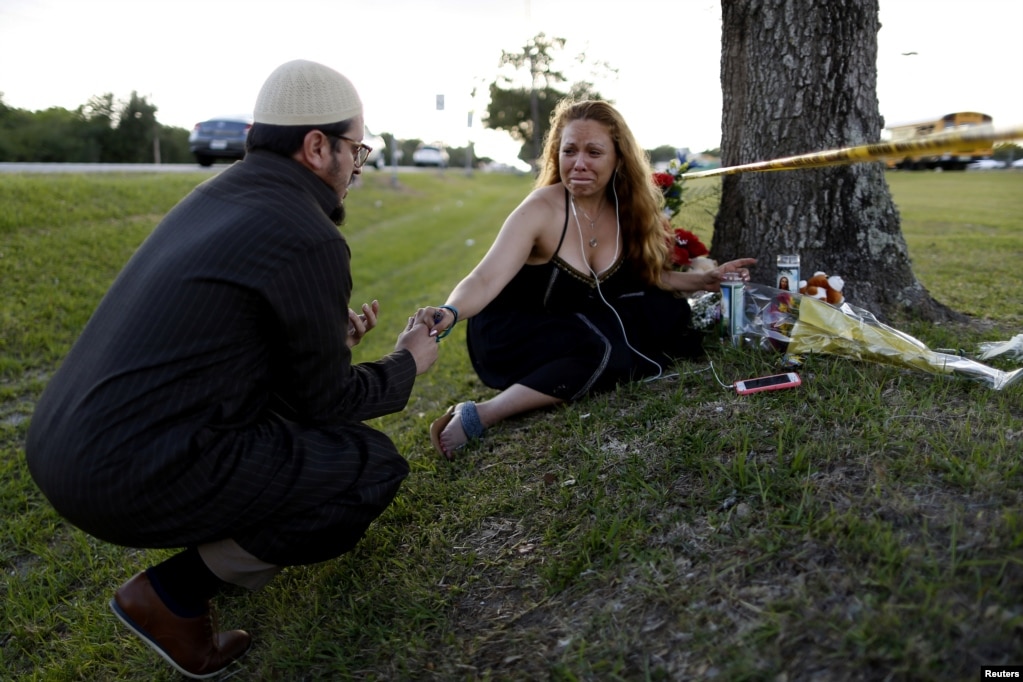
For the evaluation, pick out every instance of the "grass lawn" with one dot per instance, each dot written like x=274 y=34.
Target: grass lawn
x=868 y=525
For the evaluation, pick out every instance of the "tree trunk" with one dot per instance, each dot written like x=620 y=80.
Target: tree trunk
x=799 y=77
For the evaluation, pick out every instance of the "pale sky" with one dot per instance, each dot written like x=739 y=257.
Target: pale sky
x=198 y=59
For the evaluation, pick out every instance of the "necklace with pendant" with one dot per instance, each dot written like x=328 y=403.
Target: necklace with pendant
x=593 y=222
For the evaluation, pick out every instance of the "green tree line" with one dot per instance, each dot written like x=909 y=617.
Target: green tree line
x=103 y=130
x=106 y=130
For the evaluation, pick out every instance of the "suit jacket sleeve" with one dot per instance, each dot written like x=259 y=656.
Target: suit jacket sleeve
x=314 y=374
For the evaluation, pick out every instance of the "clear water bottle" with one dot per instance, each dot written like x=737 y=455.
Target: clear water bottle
x=732 y=307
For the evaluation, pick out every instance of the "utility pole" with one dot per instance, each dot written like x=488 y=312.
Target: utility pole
x=468 y=147
x=395 y=147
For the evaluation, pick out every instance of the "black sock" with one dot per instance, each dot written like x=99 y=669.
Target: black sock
x=185 y=583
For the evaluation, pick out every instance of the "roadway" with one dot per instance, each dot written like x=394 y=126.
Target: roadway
x=161 y=168
x=109 y=168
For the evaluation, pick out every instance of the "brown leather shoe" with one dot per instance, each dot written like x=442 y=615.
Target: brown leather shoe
x=191 y=645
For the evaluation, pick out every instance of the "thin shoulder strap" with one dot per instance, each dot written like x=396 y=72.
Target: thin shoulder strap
x=564 y=228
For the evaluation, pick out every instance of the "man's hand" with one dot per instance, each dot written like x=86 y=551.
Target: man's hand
x=359 y=325
x=417 y=340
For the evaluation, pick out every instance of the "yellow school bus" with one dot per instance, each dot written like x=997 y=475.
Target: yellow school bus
x=950 y=160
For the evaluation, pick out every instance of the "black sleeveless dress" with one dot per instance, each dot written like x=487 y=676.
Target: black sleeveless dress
x=556 y=331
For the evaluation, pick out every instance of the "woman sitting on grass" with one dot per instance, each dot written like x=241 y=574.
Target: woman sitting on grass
x=576 y=294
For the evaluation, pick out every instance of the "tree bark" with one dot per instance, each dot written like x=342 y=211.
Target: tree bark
x=799 y=77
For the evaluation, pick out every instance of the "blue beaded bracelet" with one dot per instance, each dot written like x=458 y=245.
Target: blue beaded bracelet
x=454 y=311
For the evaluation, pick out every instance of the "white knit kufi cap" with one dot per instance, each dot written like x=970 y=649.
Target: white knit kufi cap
x=302 y=93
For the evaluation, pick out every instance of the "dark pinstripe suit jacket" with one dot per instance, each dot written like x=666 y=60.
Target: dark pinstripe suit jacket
x=234 y=309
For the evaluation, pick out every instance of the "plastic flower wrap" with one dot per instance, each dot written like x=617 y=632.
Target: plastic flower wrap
x=706 y=307
x=798 y=324
x=1013 y=347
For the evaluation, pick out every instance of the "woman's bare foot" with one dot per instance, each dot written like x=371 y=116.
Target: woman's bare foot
x=455 y=428
x=453 y=436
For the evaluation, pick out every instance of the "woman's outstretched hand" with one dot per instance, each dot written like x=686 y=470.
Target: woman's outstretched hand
x=713 y=278
x=439 y=320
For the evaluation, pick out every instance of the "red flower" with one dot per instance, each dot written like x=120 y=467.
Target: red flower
x=686 y=246
x=664 y=180
x=670 y=185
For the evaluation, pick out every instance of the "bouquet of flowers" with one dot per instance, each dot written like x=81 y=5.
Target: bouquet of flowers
x=670 y=184
x=689 y=253
x=798 y=324
x=686 y=248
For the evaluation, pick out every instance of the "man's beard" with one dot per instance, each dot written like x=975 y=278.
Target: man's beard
x=338 y=214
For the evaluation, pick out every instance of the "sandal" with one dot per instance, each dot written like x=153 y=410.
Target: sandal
x=471 y=425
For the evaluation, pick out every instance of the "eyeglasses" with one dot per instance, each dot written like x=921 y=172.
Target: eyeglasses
x=361 y=151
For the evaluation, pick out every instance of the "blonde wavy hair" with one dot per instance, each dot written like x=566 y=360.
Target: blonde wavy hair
x=644 y=232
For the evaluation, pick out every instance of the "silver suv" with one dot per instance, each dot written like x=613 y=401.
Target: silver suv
x=377 y=158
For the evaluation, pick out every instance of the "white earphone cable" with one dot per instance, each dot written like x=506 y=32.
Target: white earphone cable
x=596 y=277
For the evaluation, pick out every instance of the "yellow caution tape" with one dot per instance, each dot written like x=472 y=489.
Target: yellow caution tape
x=945 y=141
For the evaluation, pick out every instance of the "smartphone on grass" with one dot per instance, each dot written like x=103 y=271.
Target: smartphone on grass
x=769 y=383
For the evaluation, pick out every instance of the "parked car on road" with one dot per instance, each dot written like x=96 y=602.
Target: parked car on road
x=378 y=158
x=430 y=155
x=985 y=164
x=219 y=138
x=1018 y=163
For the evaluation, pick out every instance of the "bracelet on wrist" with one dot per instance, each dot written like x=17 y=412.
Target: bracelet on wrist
x=454 y=312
